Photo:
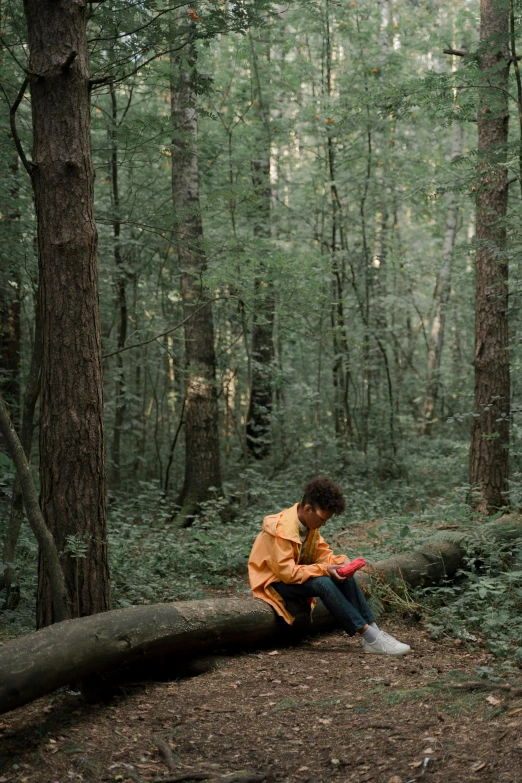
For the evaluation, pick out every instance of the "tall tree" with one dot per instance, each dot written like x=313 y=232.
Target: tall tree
x=202 y=462
x=72 y=454
x=441 y=297
x=121 y=295
x=489 y=455
x=259 y=414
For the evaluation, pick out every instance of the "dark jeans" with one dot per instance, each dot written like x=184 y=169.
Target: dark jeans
x=344 y=600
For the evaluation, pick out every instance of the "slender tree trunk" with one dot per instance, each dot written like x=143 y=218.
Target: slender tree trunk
x=341 y=362
x=72 y=456
x=489 y=455
x=10 y=307
x=441 y=297
x=119 y=392
x=10 y=340
x=32 y=391
x=259 y=414
x=202 y=462
x=262 y=352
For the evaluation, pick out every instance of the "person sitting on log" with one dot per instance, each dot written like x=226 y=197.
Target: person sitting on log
x=291 y=560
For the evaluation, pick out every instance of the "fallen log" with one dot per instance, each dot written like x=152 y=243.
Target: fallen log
x=73 y=650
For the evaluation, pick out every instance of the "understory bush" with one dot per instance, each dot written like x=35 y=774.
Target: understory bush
x=483 y=604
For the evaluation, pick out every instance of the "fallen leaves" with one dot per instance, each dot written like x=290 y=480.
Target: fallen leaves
x=478 y=765
x=493 y=700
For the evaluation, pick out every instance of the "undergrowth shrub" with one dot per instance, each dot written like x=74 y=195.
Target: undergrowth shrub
x=484 y=602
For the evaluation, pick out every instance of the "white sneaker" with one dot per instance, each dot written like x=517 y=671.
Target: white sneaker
x=385 y=645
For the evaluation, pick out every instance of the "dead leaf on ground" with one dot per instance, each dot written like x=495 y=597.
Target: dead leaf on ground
x=493 y=700
x=395 y=779
x=478 y=765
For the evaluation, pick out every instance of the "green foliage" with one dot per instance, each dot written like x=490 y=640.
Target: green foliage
x=485 y=601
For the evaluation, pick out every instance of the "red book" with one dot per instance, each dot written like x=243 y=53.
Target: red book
x=350 y=568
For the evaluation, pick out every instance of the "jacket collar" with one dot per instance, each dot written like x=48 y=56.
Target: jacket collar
x=288 y=525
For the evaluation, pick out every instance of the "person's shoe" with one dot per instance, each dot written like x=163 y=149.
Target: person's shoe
x=385 y=645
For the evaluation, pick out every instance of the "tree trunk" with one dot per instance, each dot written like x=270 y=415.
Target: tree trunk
x=341 y=358
x=10 y=306
x=72 y=456
x=53 y=657
x=202 y=462
x=259 y=414
x=262 y=354
x=489 y=455
x=32 y=391
x=10 y=339
x=119 y=392
x=441 y=297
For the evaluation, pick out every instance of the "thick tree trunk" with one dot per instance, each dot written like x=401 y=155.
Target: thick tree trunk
x=39 y=663
x=72 y=457
x=489 y=455
x=202 y=462
x=441 y=297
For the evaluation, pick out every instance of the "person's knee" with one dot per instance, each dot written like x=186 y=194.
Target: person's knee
x=324 y=585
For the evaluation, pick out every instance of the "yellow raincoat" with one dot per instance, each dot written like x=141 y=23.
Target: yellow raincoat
x=279 y=556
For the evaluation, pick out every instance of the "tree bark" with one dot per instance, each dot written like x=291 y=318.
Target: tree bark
x=72 y=455
x=40 y=662
x=489 y=455
x=202 y=460
x=441 y=297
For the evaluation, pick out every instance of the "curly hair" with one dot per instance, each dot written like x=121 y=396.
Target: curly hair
x=324 y=494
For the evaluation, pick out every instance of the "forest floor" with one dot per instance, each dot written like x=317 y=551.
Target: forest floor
x=318 y=711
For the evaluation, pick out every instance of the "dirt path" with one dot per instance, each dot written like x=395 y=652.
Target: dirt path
x=322 y=711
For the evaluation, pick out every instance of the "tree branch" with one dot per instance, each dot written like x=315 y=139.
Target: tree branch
x=162 y=334
x=456 y=52
x=69 y=61
x=27 y=164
